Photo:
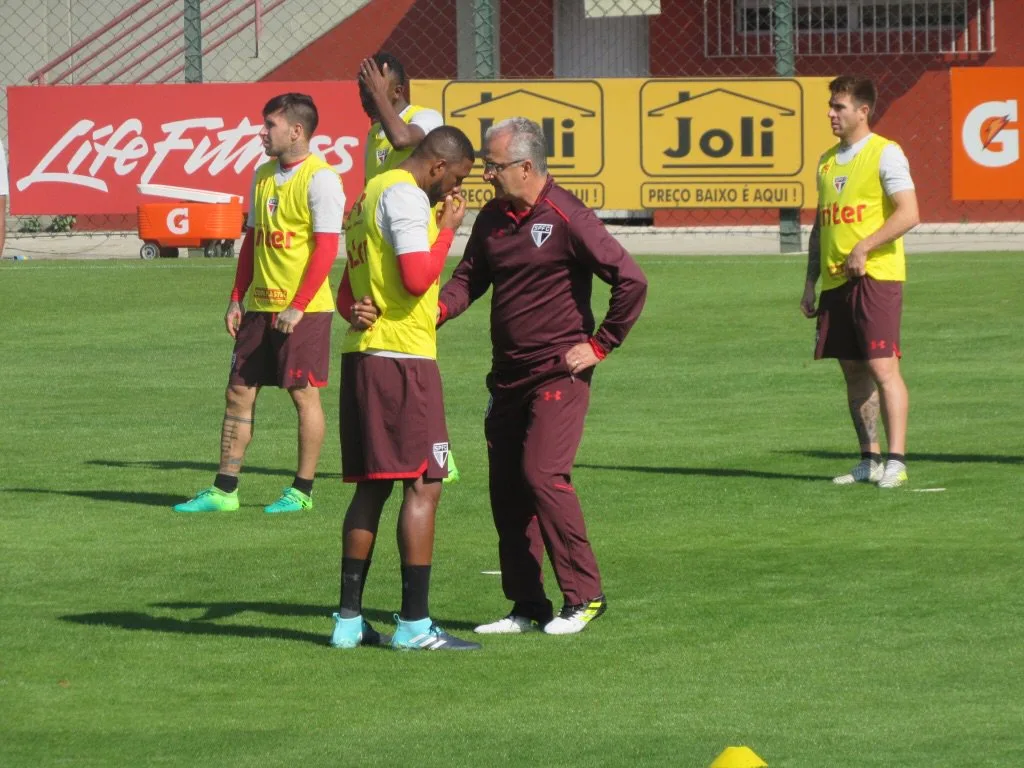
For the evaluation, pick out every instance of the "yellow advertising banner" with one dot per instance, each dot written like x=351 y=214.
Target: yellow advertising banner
x=629 y=143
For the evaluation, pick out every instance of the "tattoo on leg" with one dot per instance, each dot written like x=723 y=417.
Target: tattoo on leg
x=228 y=435
x=864 y=412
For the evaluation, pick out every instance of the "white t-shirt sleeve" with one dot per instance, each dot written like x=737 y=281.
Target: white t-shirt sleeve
x=4 y=188
x=403 y=214
x=894 y=170
x=326 y=201
x=427 y=119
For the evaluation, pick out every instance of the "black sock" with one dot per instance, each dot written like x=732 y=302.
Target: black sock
x=415 y=592
x=353 y=578
x=301 y=484
x=226 y=483
x=542 y=613
x=898 y=457
x=875 y=457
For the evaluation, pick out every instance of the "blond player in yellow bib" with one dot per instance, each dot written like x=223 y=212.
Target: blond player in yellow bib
x=866 y=203
x=392 y=406
x=283 y=333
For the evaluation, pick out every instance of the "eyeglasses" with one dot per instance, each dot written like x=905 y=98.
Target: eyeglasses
x=490 y=167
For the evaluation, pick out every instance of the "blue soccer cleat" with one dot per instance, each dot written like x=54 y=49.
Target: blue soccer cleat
x=351 y=633
x=425 y=635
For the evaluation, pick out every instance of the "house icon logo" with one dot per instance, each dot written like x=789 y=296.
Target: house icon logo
x=721 y=128
x=571 y=113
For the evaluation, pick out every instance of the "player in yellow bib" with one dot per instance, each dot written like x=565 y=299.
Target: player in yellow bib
x=283 y=333
x=396 y=125
x=866 y=203
x=396 y=128
x=392 y=407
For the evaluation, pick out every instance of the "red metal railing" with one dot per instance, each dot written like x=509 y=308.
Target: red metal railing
x=139 y=15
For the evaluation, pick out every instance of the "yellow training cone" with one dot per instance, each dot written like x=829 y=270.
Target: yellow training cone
x=738 y=757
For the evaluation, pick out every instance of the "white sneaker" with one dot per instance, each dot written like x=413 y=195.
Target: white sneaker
x=510 y=625
x=866 y=471
x=574 y=618
x=894 y=476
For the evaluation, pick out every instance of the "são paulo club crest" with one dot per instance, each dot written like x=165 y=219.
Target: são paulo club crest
x=540 y=233
x=839 y=182
x=271 y=205
x=382 y=155
x=441 y=454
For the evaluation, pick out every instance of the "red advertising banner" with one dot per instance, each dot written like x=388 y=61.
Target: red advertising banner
x=83 y=149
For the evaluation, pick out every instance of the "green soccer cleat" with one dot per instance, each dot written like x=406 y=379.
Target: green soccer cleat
x=453 y=471
x=213 y=499
x=291 y=500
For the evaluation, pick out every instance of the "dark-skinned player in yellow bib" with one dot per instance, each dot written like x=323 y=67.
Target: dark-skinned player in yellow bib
x=392 y=406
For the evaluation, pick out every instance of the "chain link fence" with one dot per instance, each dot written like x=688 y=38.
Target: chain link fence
x=906 y=46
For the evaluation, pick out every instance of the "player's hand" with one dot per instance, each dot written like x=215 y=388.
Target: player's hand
x=453 y=212
x=287 y=320
x=363 y=314
x=581 y=357
x=233 y=317
x=856 y=262
x=807 y=302
x=374 y=79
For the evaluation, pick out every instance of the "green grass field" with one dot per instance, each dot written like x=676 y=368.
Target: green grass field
x=751 y=602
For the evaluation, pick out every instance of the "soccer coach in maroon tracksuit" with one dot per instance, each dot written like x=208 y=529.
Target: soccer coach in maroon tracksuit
x=539 y=247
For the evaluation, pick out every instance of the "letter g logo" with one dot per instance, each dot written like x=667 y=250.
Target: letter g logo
x=986 y=135
x=177 y=221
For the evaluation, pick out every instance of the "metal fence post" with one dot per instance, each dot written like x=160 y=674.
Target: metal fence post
x=785 y=66
x=484 y=40
x=193 y=42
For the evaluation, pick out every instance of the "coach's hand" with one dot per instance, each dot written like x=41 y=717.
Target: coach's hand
x=287 y=320
x=581 y=357
x=453 y=212
x=856 y=262
x=233 y=317
x=807 y=302
x=363 y=314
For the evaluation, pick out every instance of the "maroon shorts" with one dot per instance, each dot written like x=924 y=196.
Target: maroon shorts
x=264 y=357
x=860 y=320
x=392 y=419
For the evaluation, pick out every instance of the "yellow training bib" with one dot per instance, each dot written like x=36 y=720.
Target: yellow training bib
x=406 y=323
x=284 y=239
x=381 y=156
x=852 y=205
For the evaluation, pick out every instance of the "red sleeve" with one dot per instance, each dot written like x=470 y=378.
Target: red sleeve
x=243 y=270
x=320 y=263
x=599 y=351
x=420 y=270
x=345 y=297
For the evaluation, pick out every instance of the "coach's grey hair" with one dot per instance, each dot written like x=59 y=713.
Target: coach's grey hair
x=527 y=141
